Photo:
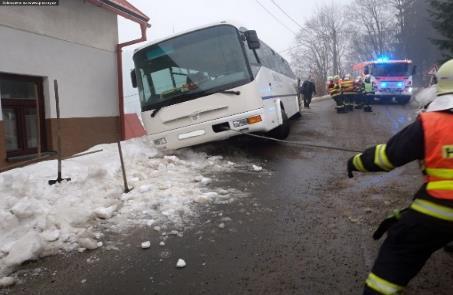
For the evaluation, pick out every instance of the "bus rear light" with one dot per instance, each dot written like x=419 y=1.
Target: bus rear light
x=254 y=119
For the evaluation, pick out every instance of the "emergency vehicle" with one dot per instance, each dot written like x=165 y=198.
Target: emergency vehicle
x=392 y=79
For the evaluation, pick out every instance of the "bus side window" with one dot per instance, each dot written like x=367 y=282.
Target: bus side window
x=145 y=91
x=254 y=65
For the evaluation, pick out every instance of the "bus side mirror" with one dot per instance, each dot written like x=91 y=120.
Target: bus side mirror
x=414 y=70
x=252 y=39
x=134 y=79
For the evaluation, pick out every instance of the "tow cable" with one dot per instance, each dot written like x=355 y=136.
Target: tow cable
x=298 y=143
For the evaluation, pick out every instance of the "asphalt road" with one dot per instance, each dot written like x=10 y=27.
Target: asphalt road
x=304 y=228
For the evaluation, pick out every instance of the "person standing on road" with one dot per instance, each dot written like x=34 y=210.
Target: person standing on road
x=427 y=225
x=348 y=92
x=359 y=96
x=308 y=89
x=335 y=93
x=367 y=93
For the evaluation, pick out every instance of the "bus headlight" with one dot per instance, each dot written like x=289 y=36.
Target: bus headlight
x=247 y=121
x=239 y=123
x=160 y=141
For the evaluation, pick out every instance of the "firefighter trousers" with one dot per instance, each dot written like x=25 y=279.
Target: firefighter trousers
x=409 y=244
x=339 y=100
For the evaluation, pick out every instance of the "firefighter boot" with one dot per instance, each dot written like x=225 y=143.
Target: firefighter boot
x=341 y=109
x=368 y=109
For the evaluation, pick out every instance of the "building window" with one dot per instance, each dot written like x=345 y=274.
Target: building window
x=23 y=114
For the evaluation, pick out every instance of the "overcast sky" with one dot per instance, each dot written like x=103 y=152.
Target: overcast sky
x=171 y=16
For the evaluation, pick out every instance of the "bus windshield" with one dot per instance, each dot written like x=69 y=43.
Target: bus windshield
x=190 y=66
x=390 y=69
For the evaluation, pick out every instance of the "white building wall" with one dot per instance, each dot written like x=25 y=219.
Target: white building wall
x=76 y=21
x=73 y=43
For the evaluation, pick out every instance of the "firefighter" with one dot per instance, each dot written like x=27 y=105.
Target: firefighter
x=335 y=93
x=348 y=93
x=330 y=84
x=367 y=93
x=427 y=224
x=359 y=90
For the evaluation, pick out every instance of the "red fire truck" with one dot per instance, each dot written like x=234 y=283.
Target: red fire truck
x=392 y=79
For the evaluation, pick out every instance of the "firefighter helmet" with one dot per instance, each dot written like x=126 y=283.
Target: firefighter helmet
x=444 y=99
x=336 y=77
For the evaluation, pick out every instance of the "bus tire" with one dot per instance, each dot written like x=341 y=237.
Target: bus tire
x=282 y=131
x=299 y=104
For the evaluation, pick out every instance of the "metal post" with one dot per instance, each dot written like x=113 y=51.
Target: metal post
x=57 y=102
x=123 y=168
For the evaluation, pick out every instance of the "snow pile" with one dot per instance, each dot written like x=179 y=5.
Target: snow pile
x=257 y=168
x=38 y=220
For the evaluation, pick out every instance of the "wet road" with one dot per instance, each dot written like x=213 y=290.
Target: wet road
x=304 y=228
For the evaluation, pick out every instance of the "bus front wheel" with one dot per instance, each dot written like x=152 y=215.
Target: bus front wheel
x=282 y=131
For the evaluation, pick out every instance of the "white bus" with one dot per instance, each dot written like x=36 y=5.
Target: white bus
x=209 y=83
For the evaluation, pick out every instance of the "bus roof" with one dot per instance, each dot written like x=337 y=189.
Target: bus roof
x=187 y=31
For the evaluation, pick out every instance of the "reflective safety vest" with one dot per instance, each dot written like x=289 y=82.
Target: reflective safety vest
x=438 y=133
x=368 y=87
x=335 y=90
x=347 y=86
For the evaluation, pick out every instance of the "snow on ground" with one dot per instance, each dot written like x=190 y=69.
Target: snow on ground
x=38 y=220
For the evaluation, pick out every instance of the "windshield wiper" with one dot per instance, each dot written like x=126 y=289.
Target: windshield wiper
x=156 y=110
x=229 y=92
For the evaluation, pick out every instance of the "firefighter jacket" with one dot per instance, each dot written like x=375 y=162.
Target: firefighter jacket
x=335 y=90
x=347 y=87
x=430 y=140
x=359 y=87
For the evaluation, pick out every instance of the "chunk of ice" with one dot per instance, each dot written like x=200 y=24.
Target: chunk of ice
x=181 y=263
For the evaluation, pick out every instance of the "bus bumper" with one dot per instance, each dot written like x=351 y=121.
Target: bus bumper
x=213 y=130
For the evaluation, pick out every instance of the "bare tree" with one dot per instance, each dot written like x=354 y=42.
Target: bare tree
x=375 y=29
x=321 y=45
x=334 y=39
x=404 y=11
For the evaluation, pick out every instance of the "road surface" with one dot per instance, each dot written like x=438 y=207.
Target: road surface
x=303 y=228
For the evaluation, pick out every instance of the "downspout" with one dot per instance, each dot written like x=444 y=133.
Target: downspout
x=119 y=61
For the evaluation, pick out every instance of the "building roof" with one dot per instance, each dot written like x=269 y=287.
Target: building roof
x=122 y=8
